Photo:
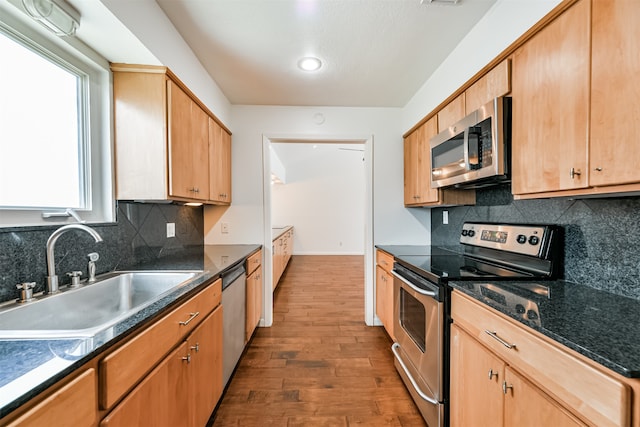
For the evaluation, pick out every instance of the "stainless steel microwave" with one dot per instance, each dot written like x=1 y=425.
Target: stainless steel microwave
x=474 y=152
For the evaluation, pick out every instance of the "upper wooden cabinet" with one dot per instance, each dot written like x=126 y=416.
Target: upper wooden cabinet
x=219 y=163
x=417 y=172
x=495 y=83
x=451 y=113
x=615 y=93
x=551 y=106
x=576 y=105
x=168 y=145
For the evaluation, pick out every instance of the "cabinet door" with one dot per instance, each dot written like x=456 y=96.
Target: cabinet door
x=550 y=85
x=389 y=323
x=205 y=368
x=254 y=301
x=381 y=294
x=615 y=93
x=451 y=113
x=495 y=83
x=476 y=380
x=188 y=142
x=526 y=405
x=160 y=399
x=417 y=165
x=220 y=163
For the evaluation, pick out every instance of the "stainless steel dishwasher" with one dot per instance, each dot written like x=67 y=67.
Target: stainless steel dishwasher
x=234 y=285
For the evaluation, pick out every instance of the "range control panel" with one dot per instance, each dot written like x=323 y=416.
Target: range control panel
x=521 y=239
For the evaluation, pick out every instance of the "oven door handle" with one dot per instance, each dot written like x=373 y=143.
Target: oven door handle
x=412 y=286
x=395 y=349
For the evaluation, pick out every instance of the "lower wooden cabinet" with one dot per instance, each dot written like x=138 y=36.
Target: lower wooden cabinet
x=282 y=250
x=384 y=291
x=74 y=405
x=254 y=302
x=508 y=374
x=183 y=389
x=487 y=392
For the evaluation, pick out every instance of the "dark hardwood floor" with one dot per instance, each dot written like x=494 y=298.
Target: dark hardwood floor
x=319 y=364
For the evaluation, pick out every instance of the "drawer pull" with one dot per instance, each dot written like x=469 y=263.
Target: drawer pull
x=492 y=374
x=494 y=334
x=395 y=348
x=193 y=316
x=195 y=347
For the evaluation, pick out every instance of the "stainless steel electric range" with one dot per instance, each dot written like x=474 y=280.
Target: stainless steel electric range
x=487 y=251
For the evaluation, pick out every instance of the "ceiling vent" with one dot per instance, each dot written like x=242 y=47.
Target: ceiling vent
x=440 y=2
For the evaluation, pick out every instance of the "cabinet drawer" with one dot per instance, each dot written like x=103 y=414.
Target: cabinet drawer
x=582 y=388
x=74 y=404
x=123 y=368
x=254 y=261
x=384 y=260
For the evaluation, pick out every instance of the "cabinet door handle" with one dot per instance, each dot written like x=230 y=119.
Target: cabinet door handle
x=492 y=374
x=599 y=169
x=187 y=358
x=195 y=347
x=506 y=387
x=193 y=316
x=494 y=335
x=574 y=172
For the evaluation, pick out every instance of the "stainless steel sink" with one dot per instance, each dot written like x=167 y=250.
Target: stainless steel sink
x=92 y=309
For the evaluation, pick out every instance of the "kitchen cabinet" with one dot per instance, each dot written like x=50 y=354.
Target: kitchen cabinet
x=219 y=163
x=451 y=113
x=188 y=146
x=282 y=249
x=183 y=389
x=79 y=394
x=500 y=366
x=615 y=93
x=417 y=172
x=495 y=83
x=384 y=291
x=551 y=105
x=254 y=293
x=168 y=145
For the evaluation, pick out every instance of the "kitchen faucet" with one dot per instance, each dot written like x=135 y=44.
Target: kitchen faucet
x=52 y=278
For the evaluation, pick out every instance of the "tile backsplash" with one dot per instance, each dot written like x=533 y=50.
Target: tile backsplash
x=138 y=237
x=601 y=236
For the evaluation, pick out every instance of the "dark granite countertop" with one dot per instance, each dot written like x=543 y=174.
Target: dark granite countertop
x=599 y=325
x=28 y=367
x=278 y=231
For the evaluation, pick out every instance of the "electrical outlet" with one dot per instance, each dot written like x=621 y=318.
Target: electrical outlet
x=224 y=227
x=171 y=229
x=445 y=217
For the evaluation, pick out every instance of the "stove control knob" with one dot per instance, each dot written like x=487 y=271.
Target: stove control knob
x=520 y=309
x=465 y=232
x=471 y=233
x=534 y=240
x=532 y=315
x=522 y=239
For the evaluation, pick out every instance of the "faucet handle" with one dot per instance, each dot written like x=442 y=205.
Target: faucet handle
x=75 y=278
x=26 y=291
x=93 y=256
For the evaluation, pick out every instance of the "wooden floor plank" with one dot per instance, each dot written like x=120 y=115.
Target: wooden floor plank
x=319 y=364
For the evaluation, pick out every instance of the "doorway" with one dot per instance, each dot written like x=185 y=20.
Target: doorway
x=299 y=181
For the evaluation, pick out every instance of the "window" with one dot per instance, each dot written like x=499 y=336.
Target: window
x=55 y=139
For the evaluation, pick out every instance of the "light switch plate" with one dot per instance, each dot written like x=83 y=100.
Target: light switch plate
x=224 y=227
x=445 y=217
x=171 y=229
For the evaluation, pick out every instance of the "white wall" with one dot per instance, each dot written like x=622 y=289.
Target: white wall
x=392 y=223
x=503 y=24
x=323 y=198
x=146 y=20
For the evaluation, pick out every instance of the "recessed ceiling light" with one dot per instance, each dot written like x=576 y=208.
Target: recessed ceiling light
x=309 y=63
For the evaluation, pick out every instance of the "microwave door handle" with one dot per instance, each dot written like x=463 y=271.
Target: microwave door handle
x=472 y=149
x=465 y=149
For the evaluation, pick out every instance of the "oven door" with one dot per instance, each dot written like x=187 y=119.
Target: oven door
x=419 y=329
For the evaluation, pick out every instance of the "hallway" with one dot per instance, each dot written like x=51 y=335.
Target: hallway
x=319 y=364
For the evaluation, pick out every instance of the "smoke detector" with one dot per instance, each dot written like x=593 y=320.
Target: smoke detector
x=440 y=2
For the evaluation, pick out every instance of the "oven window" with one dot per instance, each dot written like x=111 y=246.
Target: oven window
x=413 y=318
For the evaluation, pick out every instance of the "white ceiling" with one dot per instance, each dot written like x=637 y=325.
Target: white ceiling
x=376 y=53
